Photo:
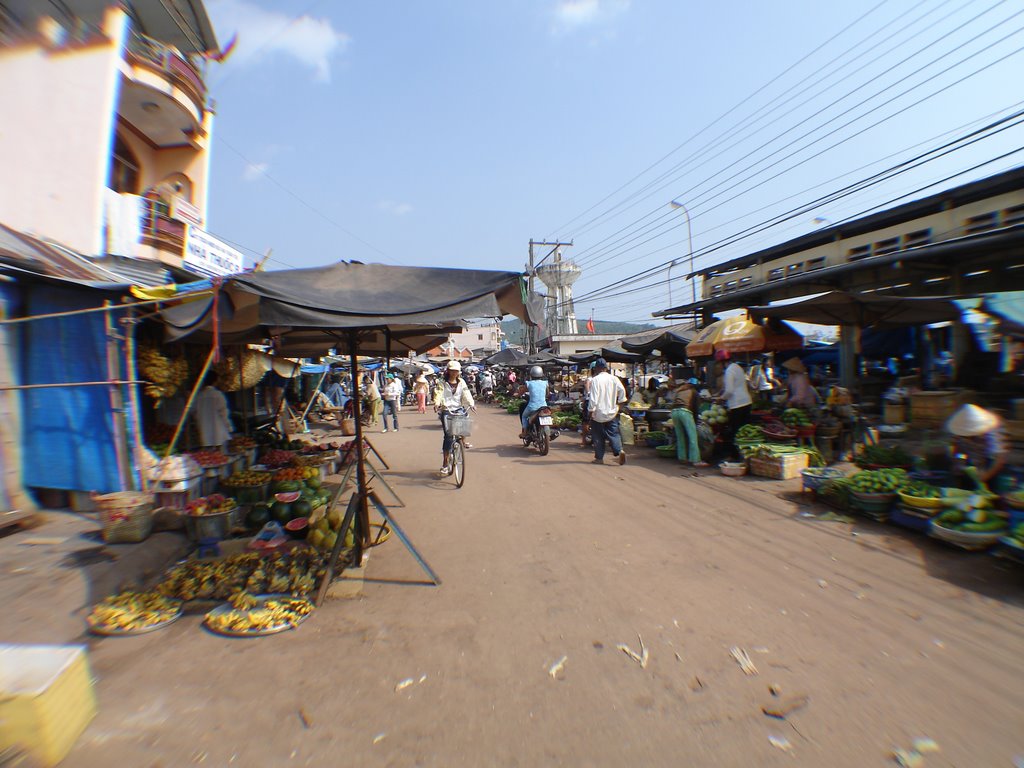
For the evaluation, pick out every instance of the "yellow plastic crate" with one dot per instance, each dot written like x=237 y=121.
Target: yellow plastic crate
x=46 y=699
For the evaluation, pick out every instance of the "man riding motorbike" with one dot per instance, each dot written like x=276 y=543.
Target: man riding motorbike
x=537 y=389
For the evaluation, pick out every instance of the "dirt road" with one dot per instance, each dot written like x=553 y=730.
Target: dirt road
x=891 y=636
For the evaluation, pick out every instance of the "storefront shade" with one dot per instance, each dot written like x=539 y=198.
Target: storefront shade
x=396 y=310
x=862 y=310
x=671 y=342
x=740 y=334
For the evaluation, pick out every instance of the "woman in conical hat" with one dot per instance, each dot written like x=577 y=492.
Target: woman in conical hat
x=978 y=435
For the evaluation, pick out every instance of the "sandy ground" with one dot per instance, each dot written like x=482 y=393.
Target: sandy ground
x=890 y=635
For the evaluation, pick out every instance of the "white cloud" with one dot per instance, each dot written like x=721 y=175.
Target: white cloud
x=575 y=14
x=255 y=171
x=312 y=42
x=397 y=209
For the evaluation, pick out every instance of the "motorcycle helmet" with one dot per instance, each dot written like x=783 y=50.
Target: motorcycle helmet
x=536 y=372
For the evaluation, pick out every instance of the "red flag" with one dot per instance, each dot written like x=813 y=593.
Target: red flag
x=590 y=325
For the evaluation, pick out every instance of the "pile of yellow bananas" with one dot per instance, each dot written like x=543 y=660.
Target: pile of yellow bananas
x=133 y=610
x=273 y=614
x=294 y=573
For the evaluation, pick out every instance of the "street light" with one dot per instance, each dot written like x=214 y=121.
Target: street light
x=689 y=236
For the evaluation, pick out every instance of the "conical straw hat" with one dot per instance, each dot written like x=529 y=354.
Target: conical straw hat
x=971 y=421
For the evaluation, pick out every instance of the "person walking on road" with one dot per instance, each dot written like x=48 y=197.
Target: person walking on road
x=373 y=399
x=736 y=394
x=606 y=395
x=392 y=397
x=420 y=387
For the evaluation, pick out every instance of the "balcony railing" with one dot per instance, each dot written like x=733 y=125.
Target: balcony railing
x=160 y=230
x=168 y=61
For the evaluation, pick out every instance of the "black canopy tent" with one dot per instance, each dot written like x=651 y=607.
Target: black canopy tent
x=864 y=310
x=613 y=353
x=507 y=356
x=360 y=308
x=670 y=341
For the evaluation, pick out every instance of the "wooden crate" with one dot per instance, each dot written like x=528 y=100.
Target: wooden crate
x=779 y=467
x=931 y=409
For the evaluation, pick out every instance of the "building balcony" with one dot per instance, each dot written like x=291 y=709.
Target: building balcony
x=160 y=231
x=164 y=94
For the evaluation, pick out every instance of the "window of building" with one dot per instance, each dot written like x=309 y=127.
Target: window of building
x=920 y=237
x=860 y=252
x=981 y=223
x=479 y=337
x=1013 y=215
x=889 y=245
x=124 y=168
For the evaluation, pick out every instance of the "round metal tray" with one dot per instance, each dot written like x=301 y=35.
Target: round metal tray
x=111 y=632
x=260 y=599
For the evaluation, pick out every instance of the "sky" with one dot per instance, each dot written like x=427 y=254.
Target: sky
x=452 y=133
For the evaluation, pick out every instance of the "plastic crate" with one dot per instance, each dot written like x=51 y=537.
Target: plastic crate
x=46 y=700
x=779 y=467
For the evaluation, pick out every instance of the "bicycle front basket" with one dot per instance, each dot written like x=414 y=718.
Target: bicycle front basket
x=462 y=426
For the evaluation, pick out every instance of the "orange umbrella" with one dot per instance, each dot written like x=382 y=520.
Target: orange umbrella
x=741 y=334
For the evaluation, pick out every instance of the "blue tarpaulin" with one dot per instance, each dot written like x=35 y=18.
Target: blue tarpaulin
x=67 y=433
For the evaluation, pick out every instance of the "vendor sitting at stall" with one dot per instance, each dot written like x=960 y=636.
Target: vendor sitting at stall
x=979 y=441
x=647 y=396
x=801 y=393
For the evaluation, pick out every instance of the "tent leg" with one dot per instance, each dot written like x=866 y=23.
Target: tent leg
x=849 y=337
x=393 y=525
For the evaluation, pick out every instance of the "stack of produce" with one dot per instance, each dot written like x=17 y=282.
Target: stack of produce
x=277 y=457
x=210 y=458
x=796 y=418
x=716 y=415
x=214 y=504
x=132 y=611
x=884 y=456
x=749 y=435
x=295 y=573
x=566 y=420
x=165 y=374
x=233 y=375
x=775 y=450
x=248 y=479
x=325 y=531
x=239 y=444
x=878 y=481
x=252 y=616
x=303 y=481
x=512 y=406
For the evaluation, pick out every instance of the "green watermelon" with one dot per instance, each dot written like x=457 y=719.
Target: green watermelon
x=301 y=508
x=313 y=482
x=285 y=486
x=258 y=516
x=281 y=511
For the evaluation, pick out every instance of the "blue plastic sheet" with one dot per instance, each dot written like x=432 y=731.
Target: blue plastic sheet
x=67 y=433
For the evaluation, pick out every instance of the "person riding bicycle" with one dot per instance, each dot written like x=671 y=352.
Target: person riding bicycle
x=537 y=389
x=452 y=395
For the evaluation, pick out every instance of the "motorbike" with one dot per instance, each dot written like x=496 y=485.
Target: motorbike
x=540 y=432
x=487 y=396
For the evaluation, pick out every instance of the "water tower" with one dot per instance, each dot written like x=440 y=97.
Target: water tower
x=558 y=276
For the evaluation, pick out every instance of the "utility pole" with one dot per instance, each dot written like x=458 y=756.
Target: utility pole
x=531 y=273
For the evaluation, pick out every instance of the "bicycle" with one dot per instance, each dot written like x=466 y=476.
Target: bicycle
x=458 y=425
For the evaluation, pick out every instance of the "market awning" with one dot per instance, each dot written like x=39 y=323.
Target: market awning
x=507 y=356
x=863 y=310
x=670 y=341
x=306 y=312
x=741 y=334
x=613 y=353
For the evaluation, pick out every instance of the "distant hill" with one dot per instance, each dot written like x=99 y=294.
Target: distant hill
x=515 y=332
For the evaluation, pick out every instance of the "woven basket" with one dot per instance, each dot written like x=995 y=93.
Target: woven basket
x=127 y=516
x=348 y=426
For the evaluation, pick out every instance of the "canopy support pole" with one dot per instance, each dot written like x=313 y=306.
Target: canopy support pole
x=849 y=341
x=362 y=534
x=188 y=404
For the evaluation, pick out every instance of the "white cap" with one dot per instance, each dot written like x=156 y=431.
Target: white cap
x=971 y=421
x=454 y=365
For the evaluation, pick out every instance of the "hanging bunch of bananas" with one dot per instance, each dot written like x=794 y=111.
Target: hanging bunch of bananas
x=275 y=613
x=165 y=374
x=234 y=374
x=133 y=611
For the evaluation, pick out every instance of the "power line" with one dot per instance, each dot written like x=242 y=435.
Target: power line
x=834 y=145
x=728 y=112
x=307 y=204
x=796 y=90
x=583 y=258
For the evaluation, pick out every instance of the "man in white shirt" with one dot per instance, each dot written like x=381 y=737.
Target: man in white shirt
x=392 y=397
x=736 y=394
x=606 y=395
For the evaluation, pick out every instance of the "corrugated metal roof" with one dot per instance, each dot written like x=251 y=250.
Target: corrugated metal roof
x=34 y=255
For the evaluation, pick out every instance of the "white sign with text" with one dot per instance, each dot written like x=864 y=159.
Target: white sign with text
x=208 y=256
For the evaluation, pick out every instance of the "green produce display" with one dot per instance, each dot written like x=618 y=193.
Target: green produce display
x=921 y=490
x=301 y=508
x=796 y=417
x=281 y=511
x=878 y=480
x=1018 y=533
x=775 y=450
x=884 y=456
x=258 y=516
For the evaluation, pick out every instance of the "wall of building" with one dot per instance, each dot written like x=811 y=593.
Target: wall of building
x=56 y=135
